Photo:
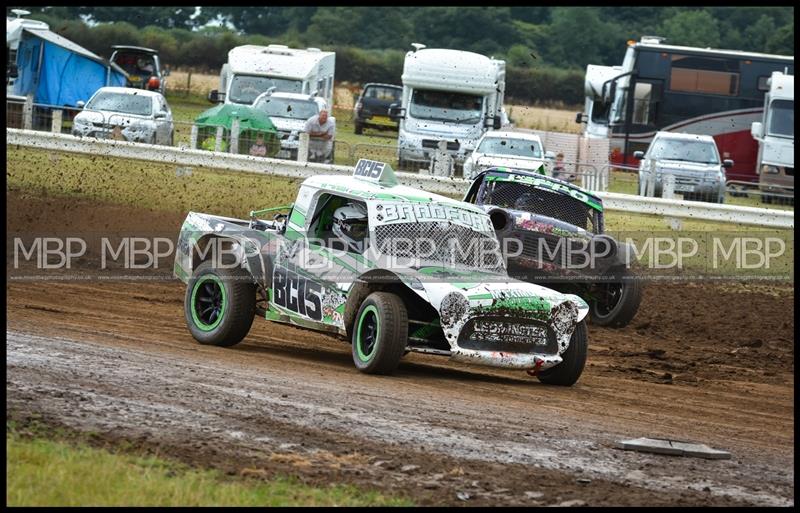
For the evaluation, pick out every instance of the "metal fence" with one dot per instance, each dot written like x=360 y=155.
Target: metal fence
x=667 y=208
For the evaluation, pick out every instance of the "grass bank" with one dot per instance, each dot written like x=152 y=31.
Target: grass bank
x=49 y=470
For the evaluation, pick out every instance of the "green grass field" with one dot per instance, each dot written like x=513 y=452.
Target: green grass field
x=46 y=470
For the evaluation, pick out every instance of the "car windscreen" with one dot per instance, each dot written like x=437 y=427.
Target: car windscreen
x=511 y=147
x=126 y=103
x=690 y=151
x=136 y=63
x=446 y=106
x=287 y=108
x=781 y=118
x=246 y=88
x=386 y=94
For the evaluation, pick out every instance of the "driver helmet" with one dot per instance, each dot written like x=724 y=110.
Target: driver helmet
x=350 y=225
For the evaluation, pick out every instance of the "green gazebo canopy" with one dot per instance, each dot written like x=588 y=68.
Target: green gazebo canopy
x=224 y=114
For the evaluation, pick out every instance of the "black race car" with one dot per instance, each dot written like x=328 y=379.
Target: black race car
x=552 y=234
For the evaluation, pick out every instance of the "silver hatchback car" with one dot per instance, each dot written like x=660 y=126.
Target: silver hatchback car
x=127 y=114
x=692 y=159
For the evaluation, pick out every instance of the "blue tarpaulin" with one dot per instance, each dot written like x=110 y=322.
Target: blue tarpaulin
x=59 y=72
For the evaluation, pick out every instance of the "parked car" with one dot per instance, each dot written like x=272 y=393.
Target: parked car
x=372 y=107
x=143 y=67
x=692 y=159
x=553 y=234
x=141 y=116
x=518 y=150
x=289 y=113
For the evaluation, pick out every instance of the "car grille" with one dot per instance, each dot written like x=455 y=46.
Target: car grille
x=447 y=243
x=523 y=197
x=508 y=334
x=432 y=143
x=282 y=134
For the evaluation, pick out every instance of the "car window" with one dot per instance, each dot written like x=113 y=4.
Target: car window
x=287 y=108
x=511 y=147
x=125 y=103
x=781 y=118
x=353 y=235
x=136 y=63
x=691 y=151
x=388 y=94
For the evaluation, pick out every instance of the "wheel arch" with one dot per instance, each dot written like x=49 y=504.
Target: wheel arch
x=378 y=281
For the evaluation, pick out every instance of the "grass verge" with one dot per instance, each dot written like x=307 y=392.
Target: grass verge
x=53 y=471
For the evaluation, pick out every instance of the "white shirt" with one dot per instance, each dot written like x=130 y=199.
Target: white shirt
x=329 y=127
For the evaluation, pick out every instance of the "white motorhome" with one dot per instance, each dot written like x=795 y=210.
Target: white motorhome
x=448 y=95
x=251 y=70
x=775 y=136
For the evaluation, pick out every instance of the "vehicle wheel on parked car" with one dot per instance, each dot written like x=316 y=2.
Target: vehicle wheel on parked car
x=570 y=369
x=380 y=333
x=220 y=304
x=615 y=304
x=358 y=128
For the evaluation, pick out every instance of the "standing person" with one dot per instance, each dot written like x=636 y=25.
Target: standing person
x=321 y=130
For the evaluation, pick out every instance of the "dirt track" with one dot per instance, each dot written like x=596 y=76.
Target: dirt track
x=711 y=363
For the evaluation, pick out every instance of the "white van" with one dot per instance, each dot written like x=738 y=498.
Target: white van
x=448 y=95
x=251 y=70
x=775 y=136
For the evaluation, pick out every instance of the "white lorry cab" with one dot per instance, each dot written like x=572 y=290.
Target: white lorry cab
x=252 y=70
x=598 y=99
x=775 y=136
x=448 y=95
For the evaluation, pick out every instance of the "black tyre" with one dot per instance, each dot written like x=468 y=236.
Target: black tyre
x=570 y=369
x=220 y=304
x=380 y=333
x=614 y=304
x=358 y=128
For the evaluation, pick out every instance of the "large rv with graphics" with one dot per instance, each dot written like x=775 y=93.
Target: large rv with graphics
x=662 y=87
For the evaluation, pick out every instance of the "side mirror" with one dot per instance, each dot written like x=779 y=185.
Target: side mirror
x=396 y=112
x=757 y=130
x=638 y=155
x=161 y=114
x=549 y=155
x=497 y=123
x=215 y=96
x=579 y=117
x=13 y=71
x=80 y=104
x=727 y=163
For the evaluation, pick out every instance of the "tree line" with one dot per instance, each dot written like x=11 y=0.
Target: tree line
x=546 y=48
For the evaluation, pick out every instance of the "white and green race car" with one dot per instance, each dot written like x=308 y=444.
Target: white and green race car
x=389 y=268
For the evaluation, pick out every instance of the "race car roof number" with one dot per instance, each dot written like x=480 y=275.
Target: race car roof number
x=374 y=171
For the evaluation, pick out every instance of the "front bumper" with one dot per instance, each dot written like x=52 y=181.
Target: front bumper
x=691 y=183
x=508 y=331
